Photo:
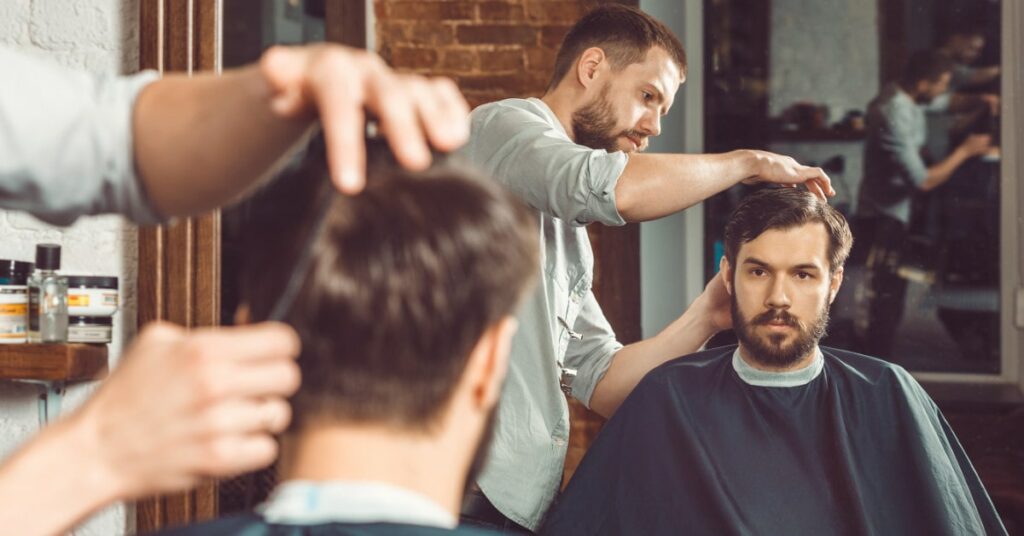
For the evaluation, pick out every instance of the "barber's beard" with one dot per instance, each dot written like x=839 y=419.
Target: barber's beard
x=593 y=125
x=771 y=349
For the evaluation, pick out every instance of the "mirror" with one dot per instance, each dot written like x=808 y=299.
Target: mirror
x=832 y=83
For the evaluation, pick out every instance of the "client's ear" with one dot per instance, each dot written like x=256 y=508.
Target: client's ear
x=725 y=272
x=243 y=315
x=834 y=284
x=488 y=362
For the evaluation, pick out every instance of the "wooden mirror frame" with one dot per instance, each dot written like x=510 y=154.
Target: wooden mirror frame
x=179 y=276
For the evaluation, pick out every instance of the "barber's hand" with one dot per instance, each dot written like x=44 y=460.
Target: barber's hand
x=977 y=144
x=716 y=305
x=187 y=405
x=341 y=84
x=780 y=169
x=992 y=102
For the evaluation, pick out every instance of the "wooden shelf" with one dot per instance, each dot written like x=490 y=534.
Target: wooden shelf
x=53 y=362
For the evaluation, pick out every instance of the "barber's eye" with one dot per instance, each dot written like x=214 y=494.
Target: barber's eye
x=804 y=275
x=648 y=97
x=757 y=272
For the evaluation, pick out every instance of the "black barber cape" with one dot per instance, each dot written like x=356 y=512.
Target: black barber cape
x=253 y=525
x=861 y=449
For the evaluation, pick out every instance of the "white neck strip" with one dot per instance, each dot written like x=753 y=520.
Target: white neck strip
x=303 y=502
x=789 y=378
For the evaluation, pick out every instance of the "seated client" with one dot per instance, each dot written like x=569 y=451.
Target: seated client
x=405 y=314
x=778 y=435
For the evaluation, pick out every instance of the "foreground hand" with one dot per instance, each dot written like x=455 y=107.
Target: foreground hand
x=188 y=405
x=341 y=84
x=779 y=169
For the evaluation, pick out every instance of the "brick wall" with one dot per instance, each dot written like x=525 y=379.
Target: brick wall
x=494 y=49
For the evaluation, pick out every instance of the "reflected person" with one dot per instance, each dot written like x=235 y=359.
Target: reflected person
x=777 y=435
x=894 y=172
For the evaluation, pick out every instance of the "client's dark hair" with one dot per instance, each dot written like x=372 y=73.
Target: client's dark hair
x=404 y=279
x=925 y=65
x=785 y=208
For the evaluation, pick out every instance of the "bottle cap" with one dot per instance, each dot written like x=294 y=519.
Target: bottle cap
x=48 y=256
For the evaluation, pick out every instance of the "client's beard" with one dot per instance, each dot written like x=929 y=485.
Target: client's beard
x=769 y=350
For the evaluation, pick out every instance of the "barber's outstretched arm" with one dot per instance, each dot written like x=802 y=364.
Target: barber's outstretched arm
x=202 y=141
x=707 y=315
x=181 y=407
x=656 y=185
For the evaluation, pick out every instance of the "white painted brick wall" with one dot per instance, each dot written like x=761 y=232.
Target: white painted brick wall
x=99 y=36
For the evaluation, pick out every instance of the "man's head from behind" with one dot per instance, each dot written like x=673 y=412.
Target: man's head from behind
x=783 y=265
x=927 y=75
x=622 y=69
x=405 y=313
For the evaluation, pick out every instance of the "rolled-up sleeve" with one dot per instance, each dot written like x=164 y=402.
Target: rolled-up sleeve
x=66 y=145
x=897 y=139
x=545 y=168
x=592 y=353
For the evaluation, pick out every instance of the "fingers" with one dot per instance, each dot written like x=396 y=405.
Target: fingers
x=444 y=114
x=283 y=67
x=340 y=84
x=247 y=417
x=339 y=94
x=256 y=342
x=253 y=379
x=232 y=455
x=822 y=183
x=417 y=113
x=396 y=102
x=814 y=188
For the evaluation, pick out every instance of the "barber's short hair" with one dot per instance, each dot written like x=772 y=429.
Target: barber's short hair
x=926 y=65
x=781 y=209
x=625 y=34
x=404 y=279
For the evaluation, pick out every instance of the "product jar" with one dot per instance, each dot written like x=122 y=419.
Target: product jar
x=14 y=301
x=92 y=295
x=90 y=329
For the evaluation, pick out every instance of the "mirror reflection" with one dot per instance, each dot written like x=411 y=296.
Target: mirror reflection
x=899 y=102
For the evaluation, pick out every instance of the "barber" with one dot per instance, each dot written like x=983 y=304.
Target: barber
x=204 y=403
x=575 y=156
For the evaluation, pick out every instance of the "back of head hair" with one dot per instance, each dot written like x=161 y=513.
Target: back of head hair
x=625 y=34
x=781 y=209
x=925 y=65
x=404 y=279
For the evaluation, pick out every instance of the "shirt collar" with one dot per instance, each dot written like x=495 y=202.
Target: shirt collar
x=552 y=118
x=764 y=378
x=304 y=502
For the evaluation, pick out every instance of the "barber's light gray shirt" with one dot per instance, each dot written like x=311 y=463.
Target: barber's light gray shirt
x=893 y=166
x=66 y=142
x=521 y=143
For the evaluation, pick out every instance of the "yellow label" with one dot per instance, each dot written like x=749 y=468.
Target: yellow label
x=11 y=309
x=78 y=300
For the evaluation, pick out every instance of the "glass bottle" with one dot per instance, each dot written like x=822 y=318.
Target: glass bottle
x=47 y=298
